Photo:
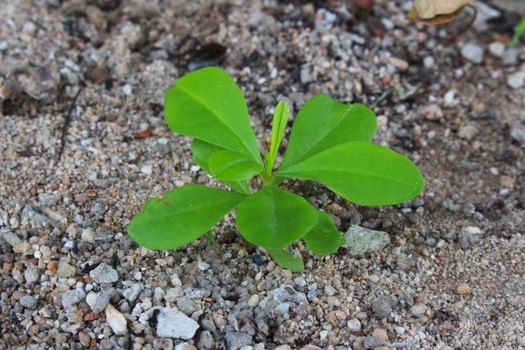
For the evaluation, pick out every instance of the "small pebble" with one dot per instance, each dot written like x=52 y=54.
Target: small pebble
x=28 y=301
x=473 y=52
x=104 y=274
x=253 y=300
x=116 y=320
x=516 y=80
x=418 y=310
x=463 y=289
x=380 y=333
x=354 y=325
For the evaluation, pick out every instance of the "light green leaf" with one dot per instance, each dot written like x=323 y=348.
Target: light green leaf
x=280 y=119
x=202 y=152
x=324 y=238
x=273 y=218
x=287 y=260
x=183 y=215
x=518 y=32
x=323 y=123
x=231 y=166
x=208 y=105
x=363 y=173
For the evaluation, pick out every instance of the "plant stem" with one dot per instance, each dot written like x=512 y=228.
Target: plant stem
x=211 y=238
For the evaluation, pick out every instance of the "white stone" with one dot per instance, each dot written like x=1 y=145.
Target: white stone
x=127 y=90
x=354 y=325
x=253 y=300
x=88 y=235
x=146 y=169
x=516 y=80
x=473 y=52
x=116 y=320
x=497 y=49
x=175 y=324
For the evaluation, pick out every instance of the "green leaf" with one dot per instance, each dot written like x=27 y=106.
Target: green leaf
x=519 y=31
x=231 y=166
x=202 y=152
x=280 y=119
x=324 y=238
x=273 y=218
x=183 y=215
x=287 y=260
x=208 y=105
x=363 y=173
x=323 y=123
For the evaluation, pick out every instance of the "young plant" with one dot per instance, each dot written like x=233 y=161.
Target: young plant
x=329 y=143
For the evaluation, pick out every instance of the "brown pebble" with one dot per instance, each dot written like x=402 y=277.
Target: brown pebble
x=399 y=63
x=380 y=333
x=463 y=289
x=84 y=338
x=52 y=267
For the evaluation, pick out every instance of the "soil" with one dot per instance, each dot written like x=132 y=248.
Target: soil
x=83 y=145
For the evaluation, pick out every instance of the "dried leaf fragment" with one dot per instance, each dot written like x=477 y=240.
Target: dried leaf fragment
x=436 y=11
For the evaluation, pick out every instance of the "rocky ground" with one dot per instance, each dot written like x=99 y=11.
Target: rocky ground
x=75 y=169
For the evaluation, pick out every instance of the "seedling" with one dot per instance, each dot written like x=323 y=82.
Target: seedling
x=329 y=143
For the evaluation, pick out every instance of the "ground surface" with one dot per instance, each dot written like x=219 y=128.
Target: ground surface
x=453 y=276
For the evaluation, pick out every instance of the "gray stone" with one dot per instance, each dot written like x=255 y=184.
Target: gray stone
x=283 y=308
x=98 y=301
x=186 y=305
x=510 y=57
x=382 y=307
x=418 y=310
x=32 y=274
x=104 y=274
x=175 y=324
x=40 y=83
x=467 y=132
x=10 y=237
x=329 y=290
x=34 y=213
x=469 y=236
x=203 y=266
x=72 y=297
x=362 y=241
x=206 y=340
x=354 y=325
x=473 y=52
x=373 y=342
x=47 y=199
x=516 y=80
x=517 y=132
x=65 y=270
x=286 y=293
x=236 y=340
x=132 y=293
x=88 y=235
x=405 y=263
x=28 y=302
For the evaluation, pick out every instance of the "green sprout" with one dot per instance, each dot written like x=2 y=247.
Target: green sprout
x=330 y=142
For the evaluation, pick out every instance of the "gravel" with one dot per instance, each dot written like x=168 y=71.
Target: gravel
x=458 y=249
x=116 y=320
x=72 y=297
x=28 y=301
x=362 y=241
x=236 y=340
x=104 y=273
x=473 y=52
x=175 y=324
